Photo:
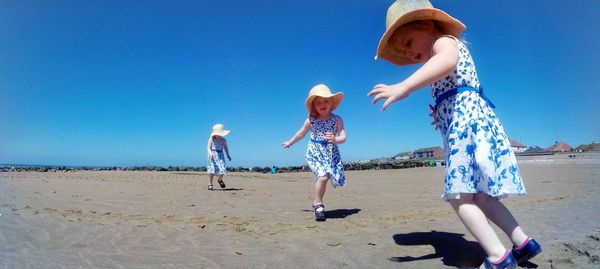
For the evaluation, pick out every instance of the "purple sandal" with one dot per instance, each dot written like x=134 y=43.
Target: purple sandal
x=529 y=249
x=319 y=214
x=508 y=261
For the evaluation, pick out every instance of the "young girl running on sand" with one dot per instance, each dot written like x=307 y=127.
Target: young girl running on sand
x=480 y=166
x=216 y=159
x=322 y=154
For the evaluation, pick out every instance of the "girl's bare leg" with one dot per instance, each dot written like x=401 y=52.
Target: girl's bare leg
x=476 y=222
x=499 y=214
x=210 y=179
x=320 y=187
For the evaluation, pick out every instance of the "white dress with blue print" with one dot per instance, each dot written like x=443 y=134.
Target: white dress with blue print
x=323 y=157
x=478 y=154
x=216 y=164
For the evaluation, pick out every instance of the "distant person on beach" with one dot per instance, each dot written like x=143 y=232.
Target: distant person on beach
x=326 y=132
x=216 y=159
x=480 y=166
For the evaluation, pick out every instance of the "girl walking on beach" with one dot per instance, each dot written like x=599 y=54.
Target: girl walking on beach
x=480 y=166
x=326 y=132
x=216 y=159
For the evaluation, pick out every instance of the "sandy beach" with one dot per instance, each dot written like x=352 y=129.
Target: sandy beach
x=382 y=219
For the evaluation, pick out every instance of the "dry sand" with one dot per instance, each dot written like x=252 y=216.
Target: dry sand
x=382 y=219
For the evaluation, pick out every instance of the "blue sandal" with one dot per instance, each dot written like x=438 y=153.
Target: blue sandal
x=528 y=250
x=319 y=214
x=508 y=262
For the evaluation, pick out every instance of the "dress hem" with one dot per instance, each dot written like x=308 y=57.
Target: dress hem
x=331 y=179
x=454 y=196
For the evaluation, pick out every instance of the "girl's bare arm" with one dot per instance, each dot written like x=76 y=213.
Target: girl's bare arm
x=299 y=135
x=441 y=64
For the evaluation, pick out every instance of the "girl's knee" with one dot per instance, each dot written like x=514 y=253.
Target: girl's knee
x=323 y=179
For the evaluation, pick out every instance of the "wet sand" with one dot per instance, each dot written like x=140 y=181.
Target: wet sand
x=382 y=219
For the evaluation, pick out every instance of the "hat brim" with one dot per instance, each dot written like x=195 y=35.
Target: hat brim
x=220 y=133
x=448 y=24
x=337 y=99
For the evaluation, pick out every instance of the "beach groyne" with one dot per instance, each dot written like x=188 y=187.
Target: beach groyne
x=560 y=157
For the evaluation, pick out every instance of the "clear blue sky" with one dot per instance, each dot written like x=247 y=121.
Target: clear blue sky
x=142 y=82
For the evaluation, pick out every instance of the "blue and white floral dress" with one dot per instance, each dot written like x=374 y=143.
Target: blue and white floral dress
x=478 y=154
x=216 y=165
x=323 y=157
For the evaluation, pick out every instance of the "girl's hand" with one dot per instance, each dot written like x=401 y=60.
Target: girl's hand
x=211 y=155
x=229 y=157
x=391 y=93
x=286 y=144
x=330 y=137
x=432 y=115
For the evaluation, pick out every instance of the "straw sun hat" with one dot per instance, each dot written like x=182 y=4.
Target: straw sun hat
x=322 y=90
x=404 y=11
x=219 y=129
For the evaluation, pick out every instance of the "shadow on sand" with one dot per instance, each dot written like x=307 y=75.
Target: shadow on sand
x=453 y=248
x=340 y=213
x=228 y=189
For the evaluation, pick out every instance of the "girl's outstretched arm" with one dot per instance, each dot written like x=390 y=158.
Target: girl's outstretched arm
x=210 y=155
x=226 y=149
x=444 y=59
x=299 y=135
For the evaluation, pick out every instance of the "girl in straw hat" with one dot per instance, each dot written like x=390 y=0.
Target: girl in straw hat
x=216 y=159
x=480 y=166
x=322 y=154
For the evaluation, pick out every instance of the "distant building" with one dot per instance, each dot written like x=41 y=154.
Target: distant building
x=381 y=160
x=588 y=147
x=403 y=156
x=435 y=153
x=534 y=149
x=516 y=146
x=559 y=146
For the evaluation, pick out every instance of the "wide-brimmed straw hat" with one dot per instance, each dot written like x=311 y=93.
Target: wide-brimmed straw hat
x=219 y=129
x=322 y=90
x=405 y=11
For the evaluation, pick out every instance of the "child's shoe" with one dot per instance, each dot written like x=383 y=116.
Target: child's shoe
x=507 y=262
x=319 y=214
x=529 y=249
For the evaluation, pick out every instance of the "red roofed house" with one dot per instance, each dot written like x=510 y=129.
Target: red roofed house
x=516 y=146
x=559 y=146
x=435 y=153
